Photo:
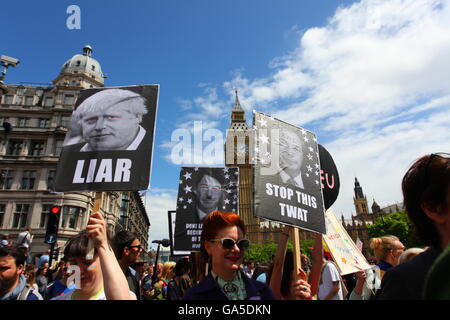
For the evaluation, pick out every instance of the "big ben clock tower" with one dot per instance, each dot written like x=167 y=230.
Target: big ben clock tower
x=238 y=150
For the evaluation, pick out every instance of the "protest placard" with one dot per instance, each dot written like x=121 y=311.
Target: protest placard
x=202 y=191
x=110 y=140
x=287 y=175
x=344 y=251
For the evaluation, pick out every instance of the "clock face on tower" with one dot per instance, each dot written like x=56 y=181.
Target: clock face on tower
x=242 y=149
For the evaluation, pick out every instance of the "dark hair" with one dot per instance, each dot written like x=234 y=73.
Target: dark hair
x=288 y=268
x=260 y=269
x=19 y=257
x=183 y=265
x=77 y=246
x=216 y=221
x=122 y=240
x=427 y=182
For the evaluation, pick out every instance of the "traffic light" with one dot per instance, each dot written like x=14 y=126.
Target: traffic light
x=52 y=225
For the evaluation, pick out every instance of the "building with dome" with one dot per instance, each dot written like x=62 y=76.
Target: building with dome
x=38 y=118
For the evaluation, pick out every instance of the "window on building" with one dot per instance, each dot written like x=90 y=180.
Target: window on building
x=3 y=120
x=9 y=99
x=2 y=213
x=6 y=178
x=20 y=90
x=58 y=147
x=39 y=92
x=29 y=100
x=64 y=121
x=44 y=123
x=44 y=214
x=69 y=99
x=70 y=216
x=111 y=205
x=93 y=68
x=28 y=179
x=48 y=102
x=14 y=147
x=36 y=148
x=20 y=215
x=23 y=122
x=51 y=179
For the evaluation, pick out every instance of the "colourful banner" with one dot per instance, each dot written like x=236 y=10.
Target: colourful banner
x=342 y=248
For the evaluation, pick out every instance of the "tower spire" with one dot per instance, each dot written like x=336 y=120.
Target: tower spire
x=237 y=105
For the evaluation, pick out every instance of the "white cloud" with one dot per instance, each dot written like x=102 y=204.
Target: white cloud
x=373 y=85
x=158 y=202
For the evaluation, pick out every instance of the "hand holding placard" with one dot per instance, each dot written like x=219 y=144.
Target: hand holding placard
x=96 y=230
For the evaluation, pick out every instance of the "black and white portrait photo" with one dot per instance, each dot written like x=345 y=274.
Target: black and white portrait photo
x=287 y=174
x=108 y=120
x=202 y=191
x=110 y=140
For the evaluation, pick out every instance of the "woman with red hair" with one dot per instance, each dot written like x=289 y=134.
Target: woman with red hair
x=223 y=245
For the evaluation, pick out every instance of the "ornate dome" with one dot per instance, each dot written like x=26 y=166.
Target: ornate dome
x=84 y=63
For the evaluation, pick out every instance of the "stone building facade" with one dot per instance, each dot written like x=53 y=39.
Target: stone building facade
x=39 y=117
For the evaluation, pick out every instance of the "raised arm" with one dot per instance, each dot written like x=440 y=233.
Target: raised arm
x=114 y=281
x=278 y=263
x=317 y=262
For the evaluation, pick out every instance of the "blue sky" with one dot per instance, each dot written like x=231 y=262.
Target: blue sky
x=370 y=78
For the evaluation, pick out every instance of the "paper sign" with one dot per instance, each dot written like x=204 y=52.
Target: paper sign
x=287 y=175
x=342 y=248
x=109 y=144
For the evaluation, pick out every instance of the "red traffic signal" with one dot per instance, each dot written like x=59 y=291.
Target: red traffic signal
x=55 y=209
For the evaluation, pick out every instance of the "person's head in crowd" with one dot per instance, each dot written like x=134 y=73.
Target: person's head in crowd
x=223 y=243
x=12 y=263
x=5 y=241
x=250 y=264
x=42 y=270
x=387 y=249
x=91 y=278
x=140 y=268
x=23 y=249
x=47 y=252
x=109 y=119
x=150 y=270
x=127 y=248
x=306 y=263
x=30 y=274
x=426 y=197
x=182 y=267
x=409 y=254
x=372 y=261
x=159 y=269
x=167 y=272
x=260 y=269
x=291 y=154
x=208 y=194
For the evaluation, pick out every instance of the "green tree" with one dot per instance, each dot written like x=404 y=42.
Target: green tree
x=267 y=251
x=396 y=224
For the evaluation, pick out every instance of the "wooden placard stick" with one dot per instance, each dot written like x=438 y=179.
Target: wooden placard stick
x=97 y=204
x=295 y=234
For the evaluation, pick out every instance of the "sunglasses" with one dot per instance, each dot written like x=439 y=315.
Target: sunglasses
x=228 y=243
x=139 y=247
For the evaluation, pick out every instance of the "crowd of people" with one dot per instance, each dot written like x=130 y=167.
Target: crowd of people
x=116 y=273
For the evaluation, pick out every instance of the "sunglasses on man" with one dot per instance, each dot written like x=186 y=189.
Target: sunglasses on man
x=138 y=247
x=228 y=243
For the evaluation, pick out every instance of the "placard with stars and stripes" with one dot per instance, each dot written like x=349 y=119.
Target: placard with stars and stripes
x=200 y=192
x=287 y=174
